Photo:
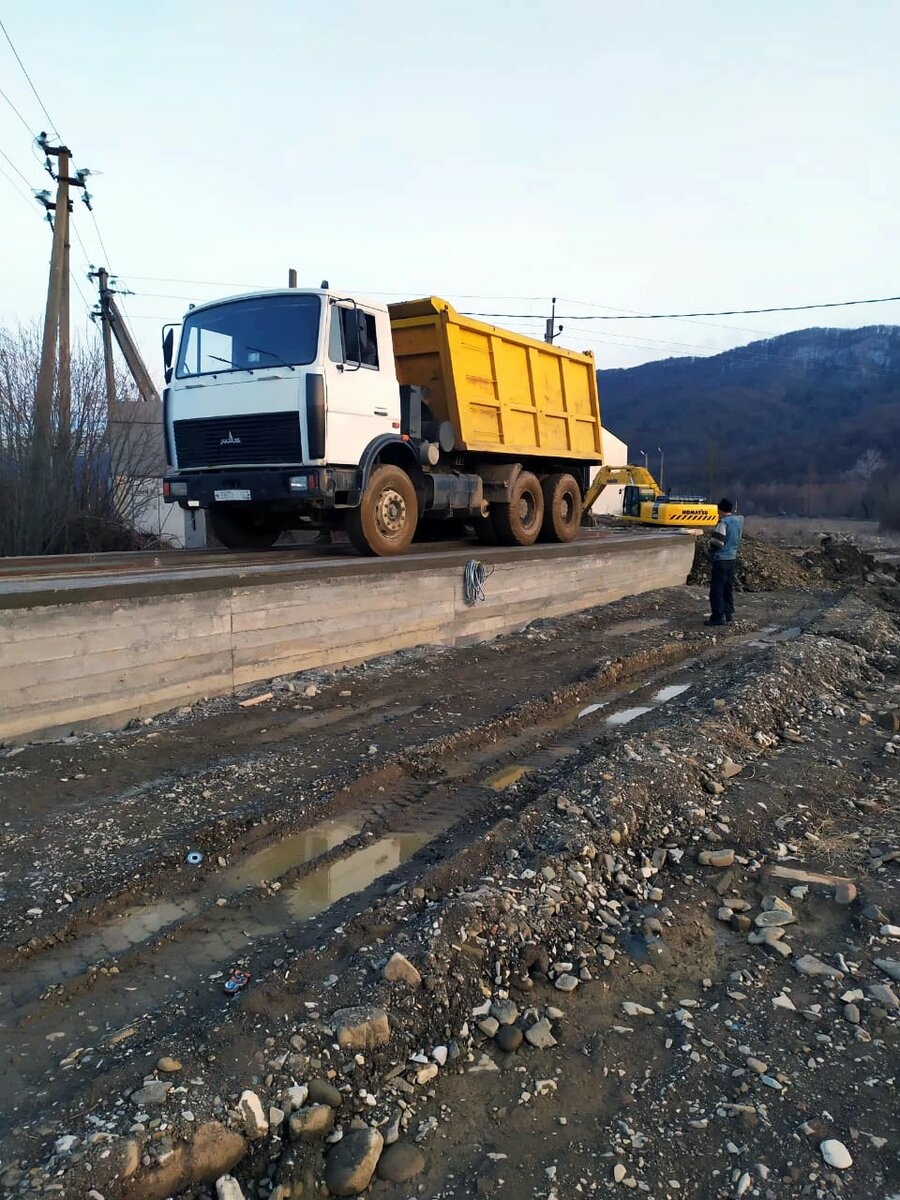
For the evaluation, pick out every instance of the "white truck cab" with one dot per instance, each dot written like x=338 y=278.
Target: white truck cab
x=246 y=403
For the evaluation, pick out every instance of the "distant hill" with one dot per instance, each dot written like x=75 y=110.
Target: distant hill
x=800 y=408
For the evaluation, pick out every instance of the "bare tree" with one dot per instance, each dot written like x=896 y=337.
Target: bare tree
x=77 y=491
x=867 y=466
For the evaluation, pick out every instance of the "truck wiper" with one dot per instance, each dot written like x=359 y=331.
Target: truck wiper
x=272 y=354
x=227 y=362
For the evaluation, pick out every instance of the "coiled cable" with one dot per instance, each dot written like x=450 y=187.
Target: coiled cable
x=474 y=578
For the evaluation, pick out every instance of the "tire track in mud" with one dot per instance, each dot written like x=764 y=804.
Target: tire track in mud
x=162 y=965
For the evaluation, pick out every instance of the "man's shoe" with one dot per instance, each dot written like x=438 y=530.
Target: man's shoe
x=713 y=621
x=729 y=617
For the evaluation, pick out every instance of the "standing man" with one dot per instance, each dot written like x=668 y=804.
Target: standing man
x=724 y=542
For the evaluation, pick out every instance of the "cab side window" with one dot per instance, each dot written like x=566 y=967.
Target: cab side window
x=352 y=339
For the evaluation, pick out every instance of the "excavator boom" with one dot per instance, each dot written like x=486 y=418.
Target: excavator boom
x=646 y=504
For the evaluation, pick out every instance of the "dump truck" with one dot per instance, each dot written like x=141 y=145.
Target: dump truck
x=311 y=409
x=645 y=503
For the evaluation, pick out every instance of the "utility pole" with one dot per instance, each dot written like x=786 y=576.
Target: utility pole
x=292 y=277
x=106 y=331
x=661 y=464
x=113 y=323
x=549 y=332
x=56 y=312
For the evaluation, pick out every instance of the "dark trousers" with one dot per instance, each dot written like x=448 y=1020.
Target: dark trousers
x=721 y=589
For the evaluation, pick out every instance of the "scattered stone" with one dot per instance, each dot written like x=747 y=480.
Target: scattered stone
x=320 y=1091
x=489 y=1026
x=637 y=1010
x=890 y=966
x=440 y=1054
x=757 y=1065
x=716 y=858
x=427 y=1073
x=884 y=994
x=505 y=1011
x=775 y=904
x=168 y=1065
x=228 y=1188
x=619 y=1172
x=852 y=1013
x=783 y=1001
x=400 y=970
x=540 y=1035
x=361 y=1028
x=400 y=1162
x=836 y=1154
x=65 y=1144
x=730 y=769
x=509 y=1038
x=565 y=982
x=154 y=1092
x=295 y=1097
x=808 y=964
x=313 y=1122
x=484 y=1065
x=351 y=1164
x=255 y=1121
x=774 y=918
x=845 y=893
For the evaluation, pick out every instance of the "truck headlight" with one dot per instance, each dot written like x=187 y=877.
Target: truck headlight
x=298 y=483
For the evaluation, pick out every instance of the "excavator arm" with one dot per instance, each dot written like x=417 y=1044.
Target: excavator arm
x=632 y=474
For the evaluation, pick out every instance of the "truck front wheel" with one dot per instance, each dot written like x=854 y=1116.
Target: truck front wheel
x=388 y=512
x=241 y=529
x=562 y=508
x=519 y=522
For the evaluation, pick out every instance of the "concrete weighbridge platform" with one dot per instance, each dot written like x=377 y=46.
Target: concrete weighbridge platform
x=92 y=651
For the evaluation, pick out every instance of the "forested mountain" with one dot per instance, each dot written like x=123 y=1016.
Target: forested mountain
x=806 y=408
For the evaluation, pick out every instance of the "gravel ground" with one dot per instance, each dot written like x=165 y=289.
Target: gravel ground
x=614 y=907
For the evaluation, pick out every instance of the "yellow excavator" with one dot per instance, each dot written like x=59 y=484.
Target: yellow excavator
x=645 y=503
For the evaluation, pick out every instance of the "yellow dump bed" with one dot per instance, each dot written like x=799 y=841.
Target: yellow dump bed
x=502 y=392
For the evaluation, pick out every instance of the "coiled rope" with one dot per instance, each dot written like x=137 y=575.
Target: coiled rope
x=474 y=578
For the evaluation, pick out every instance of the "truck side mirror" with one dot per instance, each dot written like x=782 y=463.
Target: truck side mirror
x=168 y=345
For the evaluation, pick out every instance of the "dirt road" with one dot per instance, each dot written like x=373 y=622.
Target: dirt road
x=526 y=822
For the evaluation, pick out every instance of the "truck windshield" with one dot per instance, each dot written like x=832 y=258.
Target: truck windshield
x=249 y=335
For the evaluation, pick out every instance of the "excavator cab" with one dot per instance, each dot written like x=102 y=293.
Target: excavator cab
x=633 y=497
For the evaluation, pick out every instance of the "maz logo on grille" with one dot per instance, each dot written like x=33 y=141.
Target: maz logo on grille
x=231 y=440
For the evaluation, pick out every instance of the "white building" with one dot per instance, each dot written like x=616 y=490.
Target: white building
x=615 y=454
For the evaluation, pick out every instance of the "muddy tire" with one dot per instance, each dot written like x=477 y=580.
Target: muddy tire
x=562 y=508
x=242 y=529
x=388 y=513
x=519 y=522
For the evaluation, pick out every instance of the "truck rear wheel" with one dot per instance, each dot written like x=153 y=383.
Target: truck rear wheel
x=562 y=508
x=242 y=529
x=387 y=516
x=519 y=522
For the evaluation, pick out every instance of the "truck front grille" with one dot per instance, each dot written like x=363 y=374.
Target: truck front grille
x=268 y=438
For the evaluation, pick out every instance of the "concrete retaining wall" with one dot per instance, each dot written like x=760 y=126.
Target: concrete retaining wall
x=98 y=656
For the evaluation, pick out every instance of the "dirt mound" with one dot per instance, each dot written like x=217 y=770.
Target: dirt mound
x=762 y=566
x=844 y=562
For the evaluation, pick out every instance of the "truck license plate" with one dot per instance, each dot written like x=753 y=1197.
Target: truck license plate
x=233 y=494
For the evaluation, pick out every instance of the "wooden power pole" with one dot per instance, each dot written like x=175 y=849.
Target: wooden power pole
x=56 y=313
x=115 y=327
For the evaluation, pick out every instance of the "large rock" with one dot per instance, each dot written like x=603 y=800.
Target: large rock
x=254 y=1118
x=228 y=1188
x=213 y=1153
x=400 y=1163
x=362 y=1028
x=323 y=1092
x=313 y=1122
x=153 y=1092
x=351 y=1164
x=400 y=970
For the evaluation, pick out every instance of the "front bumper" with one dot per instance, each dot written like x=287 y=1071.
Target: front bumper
x=324 y=487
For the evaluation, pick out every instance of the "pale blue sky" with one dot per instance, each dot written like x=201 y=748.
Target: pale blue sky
x=647 y=156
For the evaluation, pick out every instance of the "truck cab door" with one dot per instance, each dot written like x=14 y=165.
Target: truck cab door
x=363 y=396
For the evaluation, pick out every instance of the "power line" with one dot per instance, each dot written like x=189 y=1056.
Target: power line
x=12 y=183
x=28 y=77
x=732 y=312
x=17 y=171
x=16 y=111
